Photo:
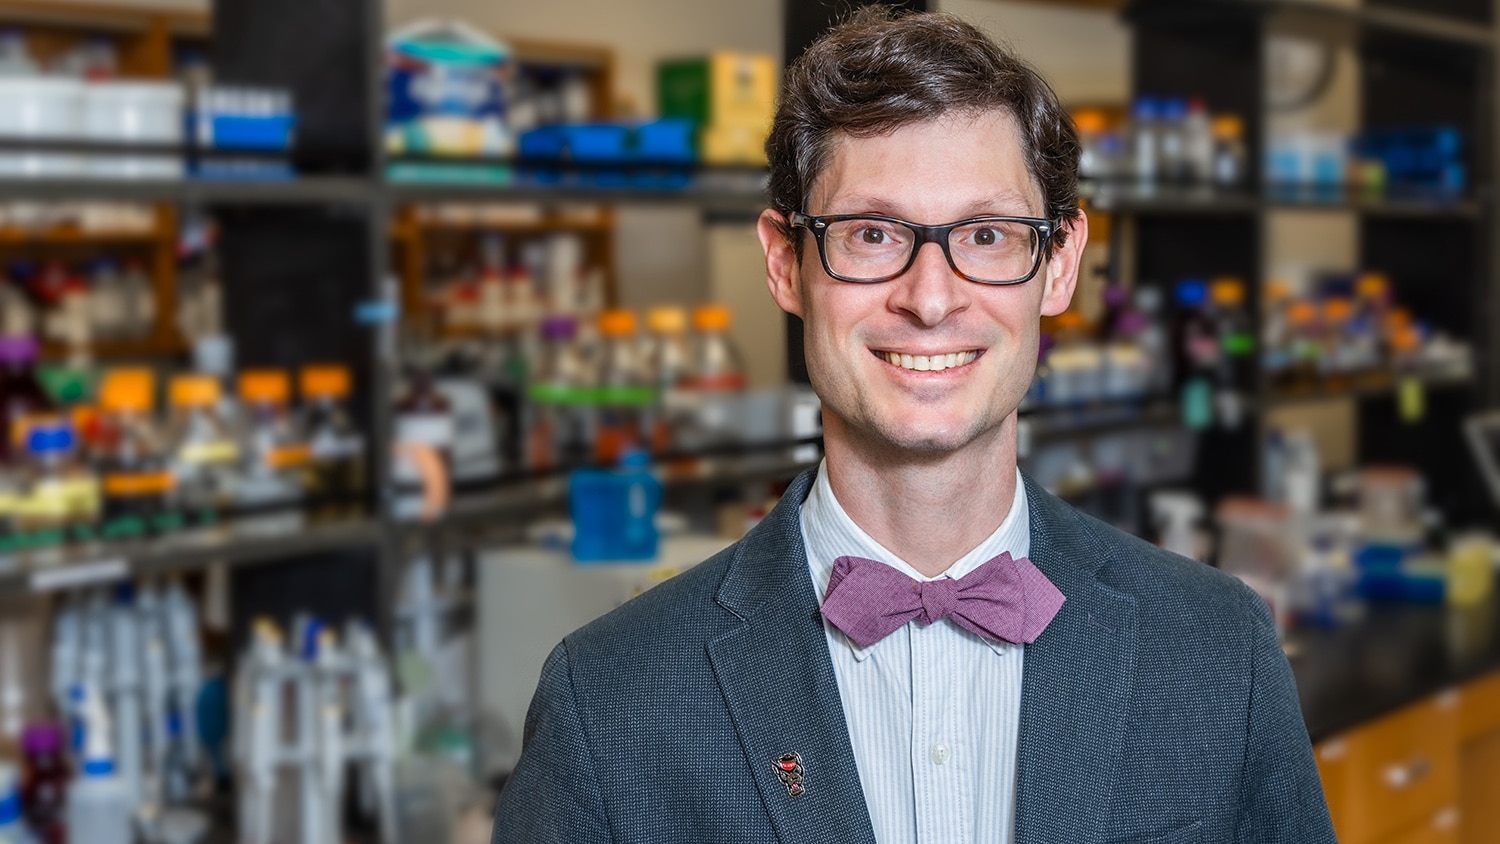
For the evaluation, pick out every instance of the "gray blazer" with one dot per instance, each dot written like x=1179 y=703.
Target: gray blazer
x=1157 y=707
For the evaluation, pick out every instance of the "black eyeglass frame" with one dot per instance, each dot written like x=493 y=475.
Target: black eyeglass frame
x=818 y=225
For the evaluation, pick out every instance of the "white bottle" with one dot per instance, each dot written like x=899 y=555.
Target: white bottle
x=12 y=828
x=98 y=807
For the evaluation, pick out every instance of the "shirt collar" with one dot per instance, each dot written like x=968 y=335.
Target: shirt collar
x=829 y=533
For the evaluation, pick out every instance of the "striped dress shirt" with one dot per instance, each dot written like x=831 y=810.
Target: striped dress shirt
x=933 y=711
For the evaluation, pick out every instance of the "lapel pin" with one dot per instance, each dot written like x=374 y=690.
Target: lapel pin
x=791 y=773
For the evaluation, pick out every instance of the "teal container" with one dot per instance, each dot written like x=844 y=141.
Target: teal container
x=614 y=511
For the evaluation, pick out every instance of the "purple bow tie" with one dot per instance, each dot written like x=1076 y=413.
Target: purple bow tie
x=1004 y=599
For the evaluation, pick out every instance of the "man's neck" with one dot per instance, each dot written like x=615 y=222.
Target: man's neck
x=929 y=510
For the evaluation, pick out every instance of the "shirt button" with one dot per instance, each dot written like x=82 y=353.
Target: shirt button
x=939 y=754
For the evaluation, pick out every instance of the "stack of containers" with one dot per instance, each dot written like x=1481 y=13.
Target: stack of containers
x=730 y=96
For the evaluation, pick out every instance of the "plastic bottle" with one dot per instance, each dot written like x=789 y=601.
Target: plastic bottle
x=1197 y=143
x=1145 y=143
x=1153 y=339
x=15 y=58
x=1236 y=333
x=1230 y=156
x=1076 y=363
x=336 y=466
x=98 y=807
x=714 y=383
x=1094 y=160
x=1306 y=345
x=669 y=358
x=1334 y=368
x=1172 y=165
x=44 y=792
x=12 y=828
x=624 y=395
x=59 y=494
x=1371 y=311
x=21 y=394
x=1275 y=334
x=1195 y=345
x=424 y=417
x=559 y=427
x=139 y=296
x=202 y=448
x=275 y=454
x=131 y=452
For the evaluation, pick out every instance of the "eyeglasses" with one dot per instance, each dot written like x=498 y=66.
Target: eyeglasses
x=867 y=249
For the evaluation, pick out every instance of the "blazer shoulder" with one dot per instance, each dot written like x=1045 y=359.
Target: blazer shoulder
x=679 y=611
x=1185 y=590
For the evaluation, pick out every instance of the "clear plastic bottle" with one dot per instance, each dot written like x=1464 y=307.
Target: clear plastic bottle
x=1195 y=345
x=668 y=359
x=1198 y=142
x=559 y=430
x=624 y=395
x=130 y=451
x=59 y=493
x=1153 y=339
x=15 y=57
x=1173 y=166
x=336 y=468
x=202 y=448
x=1094 y=159
x=1237 y=362
x=275 y=454
x=139 y=296
x=1145 y=143
x=1231 y=159
x=715 y=382
x=21 y=394
x=1275 y=334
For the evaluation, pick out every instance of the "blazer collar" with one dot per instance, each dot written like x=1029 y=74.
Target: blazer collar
x=1076 y=685
x=778 y=683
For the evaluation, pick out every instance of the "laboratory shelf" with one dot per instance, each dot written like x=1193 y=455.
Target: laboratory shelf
x=1048 y=424
x=315 y=190
x=729 y=197
x=1372 y=389
x=1125 y=198
x=241 y=542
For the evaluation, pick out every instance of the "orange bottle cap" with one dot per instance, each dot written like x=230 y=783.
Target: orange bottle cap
x=1227 y=291
x=1069 y=320
x=194 y=391
x=265 y=385
x=1277 y=290
x=617 y=322
x=1301 y=313
x=667 y=319
x=711 y=318
x=1090 y=120
x=1227 y=127
x=1338 y=310
x=127 y=391
x=326 y=381
x=1372 y=286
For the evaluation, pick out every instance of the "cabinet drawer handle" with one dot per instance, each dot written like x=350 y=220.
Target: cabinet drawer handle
x=1400 y=776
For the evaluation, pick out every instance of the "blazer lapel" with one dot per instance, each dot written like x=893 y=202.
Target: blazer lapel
x=778 y=682
x=1076 y=685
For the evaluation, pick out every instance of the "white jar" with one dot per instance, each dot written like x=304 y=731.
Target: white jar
x=133 y=112
x=40 y=107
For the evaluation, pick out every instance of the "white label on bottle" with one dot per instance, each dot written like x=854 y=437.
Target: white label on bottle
x=82 y=574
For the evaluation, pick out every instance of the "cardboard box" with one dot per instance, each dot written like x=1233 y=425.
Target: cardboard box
x=721 y=89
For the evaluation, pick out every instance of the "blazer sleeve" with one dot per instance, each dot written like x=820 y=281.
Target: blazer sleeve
x=553 y=797
x=1281 y=795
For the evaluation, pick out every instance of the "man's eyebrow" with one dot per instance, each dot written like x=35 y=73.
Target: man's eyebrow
x=1005 y=202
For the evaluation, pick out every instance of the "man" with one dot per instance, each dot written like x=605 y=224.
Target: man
x=919 y=644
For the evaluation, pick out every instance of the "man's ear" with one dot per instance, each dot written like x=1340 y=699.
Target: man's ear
x=1062 y=268
x=782 y=265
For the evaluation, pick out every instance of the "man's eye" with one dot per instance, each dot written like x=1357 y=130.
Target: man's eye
x=873 y=235
x=986 y=237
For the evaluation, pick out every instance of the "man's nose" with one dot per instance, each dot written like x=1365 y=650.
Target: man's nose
x=930 y=291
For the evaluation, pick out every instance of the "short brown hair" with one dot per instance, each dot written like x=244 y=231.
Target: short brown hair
x=881 y=69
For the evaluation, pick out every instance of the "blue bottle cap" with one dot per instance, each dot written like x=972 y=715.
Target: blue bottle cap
x=1144 y=108
x=49 y=438
x=1173 y=109
x=1191 y=293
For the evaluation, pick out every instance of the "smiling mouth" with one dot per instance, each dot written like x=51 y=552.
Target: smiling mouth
x=929 y=363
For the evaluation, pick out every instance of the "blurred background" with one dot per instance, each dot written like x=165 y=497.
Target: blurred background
x=351 y=354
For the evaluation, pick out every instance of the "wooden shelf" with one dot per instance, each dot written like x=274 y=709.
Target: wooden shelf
x=78 y=237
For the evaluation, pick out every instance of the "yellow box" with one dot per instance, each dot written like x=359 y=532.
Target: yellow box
x=722 y=89
x=733 y=144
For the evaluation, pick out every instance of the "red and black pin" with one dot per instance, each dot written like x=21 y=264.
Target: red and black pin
x=791 y=773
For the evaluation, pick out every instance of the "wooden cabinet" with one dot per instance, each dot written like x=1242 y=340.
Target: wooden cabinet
x=1427 y=774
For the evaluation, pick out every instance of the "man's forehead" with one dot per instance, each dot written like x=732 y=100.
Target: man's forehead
x=993 y=129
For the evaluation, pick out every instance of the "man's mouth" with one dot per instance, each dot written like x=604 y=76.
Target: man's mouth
x=929 y=363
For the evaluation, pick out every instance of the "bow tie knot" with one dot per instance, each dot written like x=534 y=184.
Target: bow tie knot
x=939 y=599
x=1004 y=599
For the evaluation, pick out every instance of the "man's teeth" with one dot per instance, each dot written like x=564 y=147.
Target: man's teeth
x=929 y=363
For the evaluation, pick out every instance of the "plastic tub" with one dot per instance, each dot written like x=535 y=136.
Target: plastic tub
x=41 y=107
x=133 y=112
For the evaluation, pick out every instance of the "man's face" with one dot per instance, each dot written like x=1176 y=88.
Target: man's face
x=942 y=171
